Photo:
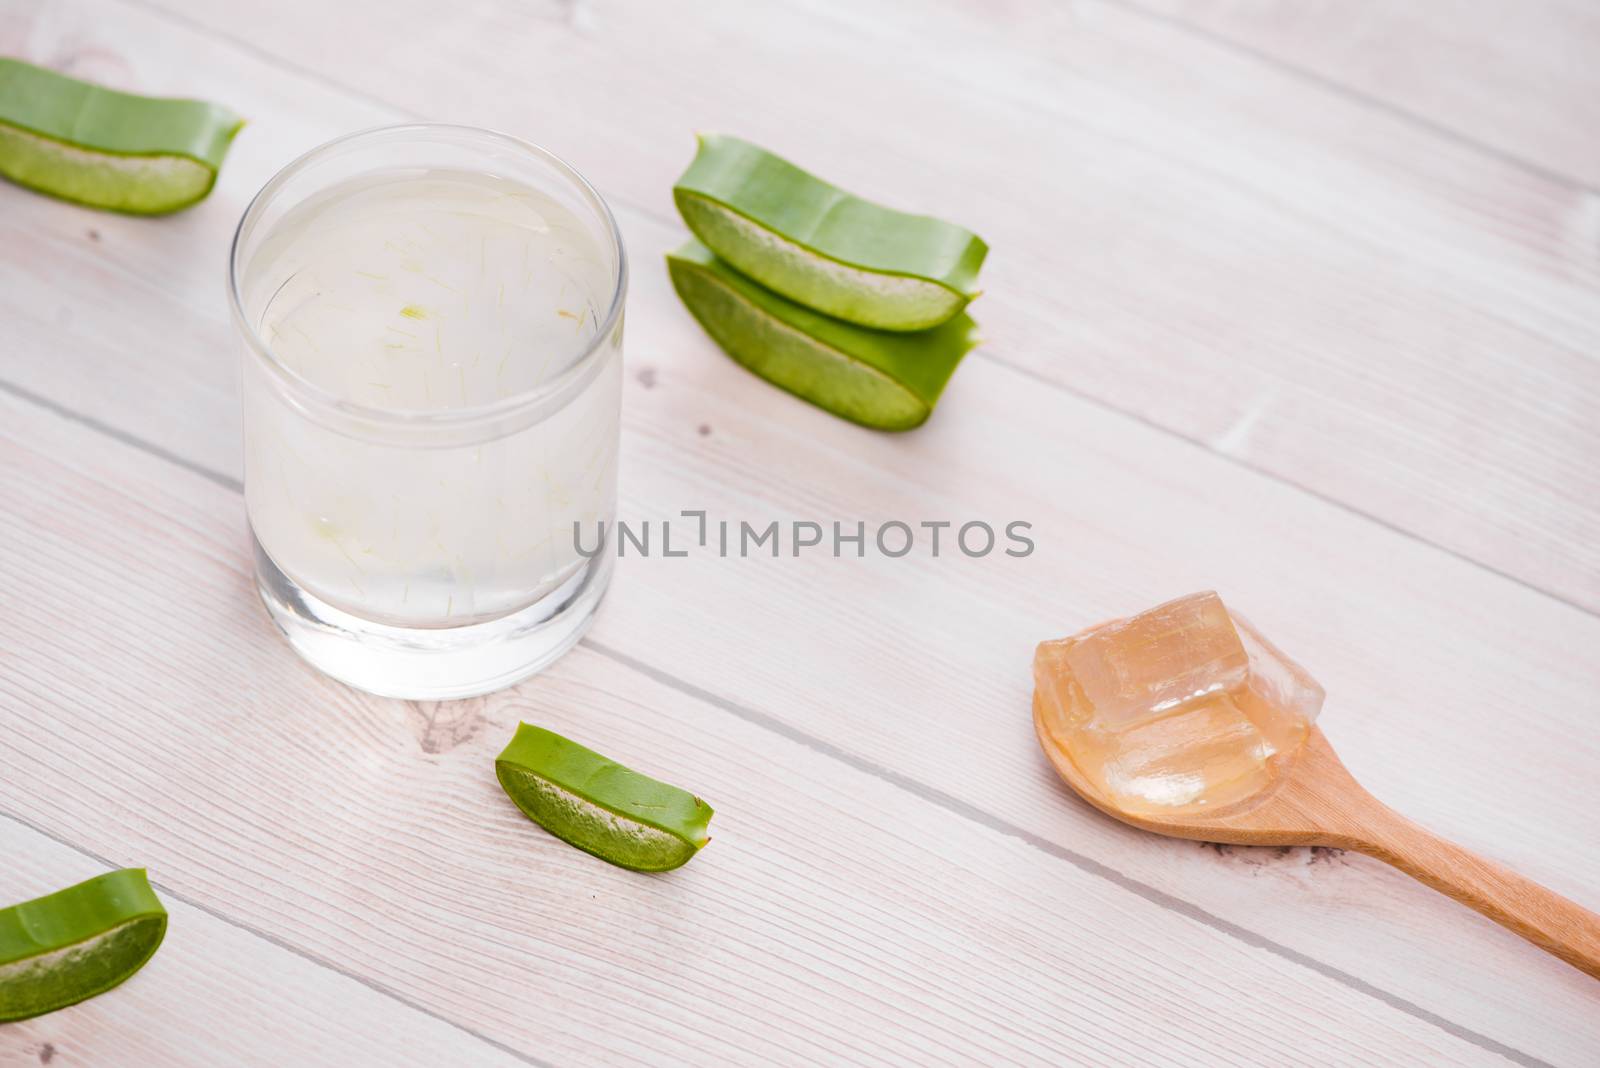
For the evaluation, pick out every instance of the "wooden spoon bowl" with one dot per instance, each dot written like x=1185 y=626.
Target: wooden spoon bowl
x=1316 y=802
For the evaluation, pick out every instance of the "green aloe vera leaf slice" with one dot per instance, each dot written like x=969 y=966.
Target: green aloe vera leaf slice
x=107 y=149
x=880 y=379
x=596 y=804
x=68 y=946
x=823 y=247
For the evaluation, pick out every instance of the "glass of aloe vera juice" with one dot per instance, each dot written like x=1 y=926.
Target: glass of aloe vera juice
x=431 y=323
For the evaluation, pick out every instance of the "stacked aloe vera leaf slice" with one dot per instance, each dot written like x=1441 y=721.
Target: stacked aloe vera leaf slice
x=855 y=307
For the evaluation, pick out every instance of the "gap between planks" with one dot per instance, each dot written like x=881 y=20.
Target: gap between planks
x=1317 y=495
x=1199 y=33
x=288 y=947
x=915 y=787
x=1355 y=96
x=359 y=95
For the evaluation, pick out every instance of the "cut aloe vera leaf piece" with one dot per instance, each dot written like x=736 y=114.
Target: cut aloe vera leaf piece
x=62 y=948
x=596 y=804
x=107 y=149
x=880 y=379
x=823 y=247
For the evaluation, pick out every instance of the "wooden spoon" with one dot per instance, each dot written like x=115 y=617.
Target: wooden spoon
x=1316 y=802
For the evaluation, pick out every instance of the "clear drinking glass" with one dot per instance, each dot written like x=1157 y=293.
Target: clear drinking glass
x=432 y=327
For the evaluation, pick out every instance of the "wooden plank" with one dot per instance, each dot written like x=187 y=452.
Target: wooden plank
x=1366 y=920
x=1519 y=78
x=215 y=993
x=834 y=917
x=1172 y=522
x=1357 y=305
x=920 y=666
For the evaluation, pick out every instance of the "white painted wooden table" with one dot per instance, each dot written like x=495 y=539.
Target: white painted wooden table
x=1300 y=301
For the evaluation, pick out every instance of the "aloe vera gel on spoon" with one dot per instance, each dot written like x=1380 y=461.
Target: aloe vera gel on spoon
x=432 y=379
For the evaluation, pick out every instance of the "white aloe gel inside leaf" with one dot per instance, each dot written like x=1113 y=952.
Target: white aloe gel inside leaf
x=592 y=827
x=814 y=279
x=130 y=182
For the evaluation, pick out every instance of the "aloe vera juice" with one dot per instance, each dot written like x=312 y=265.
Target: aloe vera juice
x=434 y=297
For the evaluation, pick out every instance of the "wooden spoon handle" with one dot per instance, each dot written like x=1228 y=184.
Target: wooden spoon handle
x=1542 y=916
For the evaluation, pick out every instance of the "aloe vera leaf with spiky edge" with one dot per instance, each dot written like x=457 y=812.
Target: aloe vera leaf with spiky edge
x=880 y=379
x=68 y=946
x=823 y=247
x=107 y=149
x=592 y=802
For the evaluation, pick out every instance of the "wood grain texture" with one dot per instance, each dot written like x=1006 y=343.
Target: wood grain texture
x=215 y=993
x=1319 y=290
x=1534 y=87
x=1000 y=447
x=833 y=917
x=1316 y=802
x=1548 y=920
x=153 y=358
